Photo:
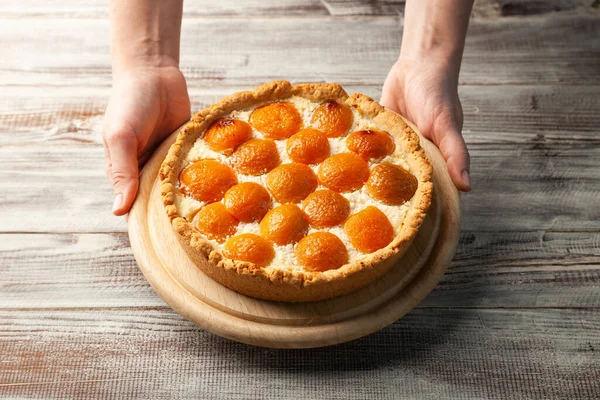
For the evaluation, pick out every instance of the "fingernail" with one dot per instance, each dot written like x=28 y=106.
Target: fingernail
x=118 y=202
x=466 y=177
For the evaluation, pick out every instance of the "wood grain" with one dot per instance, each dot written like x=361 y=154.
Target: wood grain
x=522 y=269
x=459 y=354
x=97 y=347
x=71 y=270
x=490 y=269
x=536 y=186
x=349 y=50
x=191 y=9
x=246 y=8
x=55 y=189
x=506 y=114
x=509 y=8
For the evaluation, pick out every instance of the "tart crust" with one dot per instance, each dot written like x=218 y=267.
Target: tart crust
x=284 y=285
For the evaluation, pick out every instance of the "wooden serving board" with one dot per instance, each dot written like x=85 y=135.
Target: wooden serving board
x=175 y=277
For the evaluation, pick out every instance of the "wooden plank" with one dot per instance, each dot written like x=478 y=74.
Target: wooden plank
x=55 y=189
x=191 y=9
x=525 y=114
x=522 y=269
x=349 y=50
x=490 y=269
x=534 y=186
x=71 y=270
x=459 y=354
x=230 y=8
x=507 y=114
x=62 y=115
x=509 y=8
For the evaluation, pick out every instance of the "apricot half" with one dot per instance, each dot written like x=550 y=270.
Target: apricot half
x=344 y=172
x=247 y=201
x=215 y=222
x=309 y=146
x=321 y=251
x=256 y=157
x=391 y=184
x=325 y=208
x=250 y=248
x=277 y=120
x=225 y=134
x=207 y=180
x=370 y=144
x=284 y=225
x=291 y=183
x=332 y=118
x=369 y=230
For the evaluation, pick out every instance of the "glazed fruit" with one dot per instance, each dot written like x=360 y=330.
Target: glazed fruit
x=291 y=183
x=256 y=157
x=207 y=180
x=284 y=225
x=370 y=144
x=391 y=184
x=277 y=120
x=332 y=118
x=325 y=208
x=321 y=251
x=247 y=201
x=250 y=248
x=215 y=222
x=309 y=146
x=225 y=134
x=344 y=172
x=312 y=148
x=369 y=230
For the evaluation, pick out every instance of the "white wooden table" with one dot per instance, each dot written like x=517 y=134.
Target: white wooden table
x=516 y=316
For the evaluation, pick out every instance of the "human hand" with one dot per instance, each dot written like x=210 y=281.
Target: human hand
x=146 y=104
x=426 y=94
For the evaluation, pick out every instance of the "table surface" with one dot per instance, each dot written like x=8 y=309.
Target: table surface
x=517 y=315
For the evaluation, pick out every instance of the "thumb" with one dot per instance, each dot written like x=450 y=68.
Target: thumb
x=122 y=146
x=387 y=100
x=454 y=150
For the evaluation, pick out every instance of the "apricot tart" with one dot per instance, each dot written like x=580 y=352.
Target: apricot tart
x=296 y=192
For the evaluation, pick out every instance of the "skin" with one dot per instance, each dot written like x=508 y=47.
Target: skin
x=149 y=98
x=423 y=83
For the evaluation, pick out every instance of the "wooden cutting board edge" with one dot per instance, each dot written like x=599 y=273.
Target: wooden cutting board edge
x=238 y=328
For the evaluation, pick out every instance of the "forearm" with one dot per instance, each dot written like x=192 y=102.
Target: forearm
x=435 y=31
x=145 y=33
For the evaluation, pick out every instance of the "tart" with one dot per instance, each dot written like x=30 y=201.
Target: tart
x=296 y=193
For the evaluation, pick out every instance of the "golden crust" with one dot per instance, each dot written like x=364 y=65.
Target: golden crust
x=294 y=286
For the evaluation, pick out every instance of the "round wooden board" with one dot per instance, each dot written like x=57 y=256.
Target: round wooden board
x=291 y=325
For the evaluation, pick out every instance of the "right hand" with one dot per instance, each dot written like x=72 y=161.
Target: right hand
x=146 y=105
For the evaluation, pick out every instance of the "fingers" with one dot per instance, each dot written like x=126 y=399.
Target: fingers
x=122 y=169
x=145 y=156
x=107 y=166
x=454 y=150
x=387 y=100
